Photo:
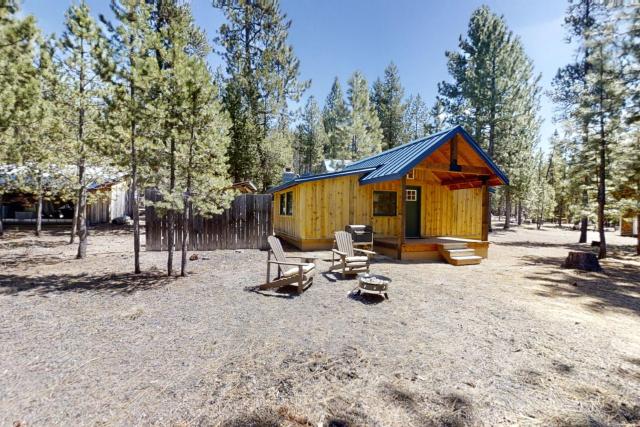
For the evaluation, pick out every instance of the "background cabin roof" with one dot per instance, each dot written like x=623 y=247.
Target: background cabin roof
x=393 y=164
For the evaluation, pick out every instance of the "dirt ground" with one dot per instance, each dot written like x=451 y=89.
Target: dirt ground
x=514 y=340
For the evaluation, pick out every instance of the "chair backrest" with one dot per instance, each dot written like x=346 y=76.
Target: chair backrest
x=344 y=242
x=276 y=248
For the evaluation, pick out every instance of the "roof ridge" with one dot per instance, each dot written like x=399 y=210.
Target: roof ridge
x=410 y=143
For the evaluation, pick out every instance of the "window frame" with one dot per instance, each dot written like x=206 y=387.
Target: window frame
x=411 y=174
x=393 y=203
x=413 y=192
x=283 y=203
x=289 y=207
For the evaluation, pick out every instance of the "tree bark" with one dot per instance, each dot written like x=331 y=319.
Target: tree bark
x=171 y=214
x=185 y=236
x=602 y=169
x=82 y=216
x=507 y=208
x=74 y=223
x=638 y=235
x=185 y=212
x=82 y=191
x=1 y=216
x=519 y=212
x=39 y=211
x=134 y=196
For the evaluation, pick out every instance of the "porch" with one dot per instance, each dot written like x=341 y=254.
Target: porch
x=454 y=250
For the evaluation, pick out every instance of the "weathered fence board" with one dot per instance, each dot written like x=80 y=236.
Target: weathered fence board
x=246 y=224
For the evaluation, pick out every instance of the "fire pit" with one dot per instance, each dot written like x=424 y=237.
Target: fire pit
x=373 y=284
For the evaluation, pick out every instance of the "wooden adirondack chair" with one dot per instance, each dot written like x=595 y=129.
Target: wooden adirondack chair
x=349 y=263
x=297 y=273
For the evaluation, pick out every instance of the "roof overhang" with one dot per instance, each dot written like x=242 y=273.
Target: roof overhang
x=458 y=130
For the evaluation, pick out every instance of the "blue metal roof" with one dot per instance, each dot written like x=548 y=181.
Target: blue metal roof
x=309 y=178
x=393 y=164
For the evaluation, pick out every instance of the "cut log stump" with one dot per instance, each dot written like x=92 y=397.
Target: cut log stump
x=586 y=261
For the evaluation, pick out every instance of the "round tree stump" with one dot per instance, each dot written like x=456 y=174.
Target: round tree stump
x=586 y=261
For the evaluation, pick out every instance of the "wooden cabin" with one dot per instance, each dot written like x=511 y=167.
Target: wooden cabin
x=426 y=200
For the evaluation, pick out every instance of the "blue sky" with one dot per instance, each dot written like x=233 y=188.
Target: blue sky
x=335 y=37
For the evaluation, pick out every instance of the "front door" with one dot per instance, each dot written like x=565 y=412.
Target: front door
x=412 y=212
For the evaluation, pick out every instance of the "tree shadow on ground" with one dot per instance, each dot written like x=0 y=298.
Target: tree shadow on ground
x=124 y=283
x=31 y=243
x=616 y=287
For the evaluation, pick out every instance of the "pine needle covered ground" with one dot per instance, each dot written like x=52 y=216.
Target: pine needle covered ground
x=514 y=340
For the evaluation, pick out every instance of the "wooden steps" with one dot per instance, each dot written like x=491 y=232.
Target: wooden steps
x=459 y=254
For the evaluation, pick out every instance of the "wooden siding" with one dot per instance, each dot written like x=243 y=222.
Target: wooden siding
x=325 y=206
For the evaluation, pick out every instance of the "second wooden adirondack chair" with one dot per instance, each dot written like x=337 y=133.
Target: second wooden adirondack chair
x=293 y=273
x=349 y=263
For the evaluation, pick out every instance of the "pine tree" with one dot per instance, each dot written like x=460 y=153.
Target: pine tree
x=201 y=133
x=559 y=177
x=262 y=75
x=606 y=98
x=386 y=97
x=38 y=150
x=335 y=117
x=311 y=138
x=363 y=128
x=18 y=82
x=569 y=86
x=131 y=71
x=495 y=95
x=541 y=195
x=80 y=46
x=416 y=118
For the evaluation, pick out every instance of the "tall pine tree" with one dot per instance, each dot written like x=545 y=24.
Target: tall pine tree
x=363 y=129
x=262 y=76
x=386 y=97
x=80 y=47
x=335 y=117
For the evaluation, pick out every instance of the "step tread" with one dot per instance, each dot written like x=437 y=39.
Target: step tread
x=459 y=251
x=466 y=257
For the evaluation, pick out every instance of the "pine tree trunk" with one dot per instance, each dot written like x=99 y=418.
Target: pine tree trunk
x=507 y=208
x=584 y=221
x=171 y=237
x=185 y=212
x=602 y=169
x=82 y=221
x=74 y=224
x=39 y=211
x=519 y=212
x=82 y=192
x=1 y=216
x=638 y=235
x=185 y=236
x=134 y=196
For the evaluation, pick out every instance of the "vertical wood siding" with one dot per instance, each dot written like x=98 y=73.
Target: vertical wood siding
x=325 y=206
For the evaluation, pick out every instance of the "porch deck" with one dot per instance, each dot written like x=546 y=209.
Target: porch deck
x=427 y=248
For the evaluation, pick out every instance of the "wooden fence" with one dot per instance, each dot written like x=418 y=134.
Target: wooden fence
x=245 y=225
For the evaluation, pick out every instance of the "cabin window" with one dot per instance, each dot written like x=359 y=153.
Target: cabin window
x=412 y=195
x=286 y=203
x=411 y=174
x=384 y=203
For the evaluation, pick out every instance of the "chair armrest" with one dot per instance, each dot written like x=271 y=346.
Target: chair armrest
x=299 y=257
x=342 y=254
x=299 y=264
x=364 y=251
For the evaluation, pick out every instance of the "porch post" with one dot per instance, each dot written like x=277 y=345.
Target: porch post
x=486 y=211
x=403 y=218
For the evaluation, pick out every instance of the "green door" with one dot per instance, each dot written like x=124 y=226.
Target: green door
x=412 y=212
